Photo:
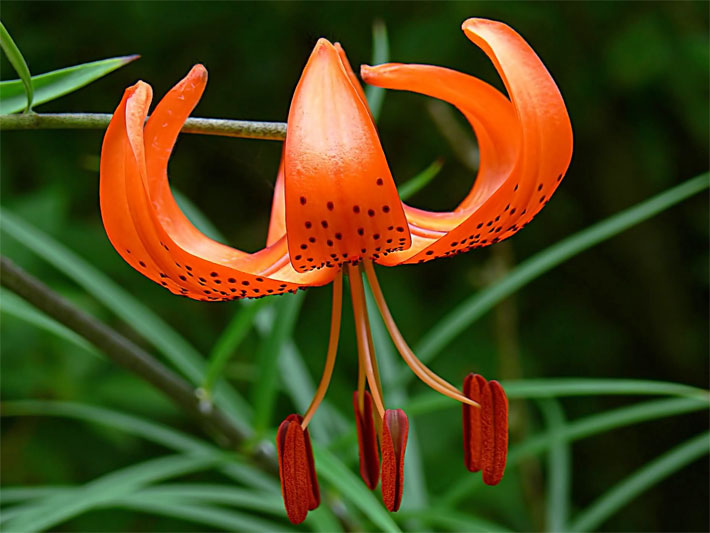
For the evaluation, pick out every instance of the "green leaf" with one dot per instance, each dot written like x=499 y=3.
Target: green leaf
x=559 y=466
x=228 y=341
x=213 y=517
x=428 y=402
x=175 y=348
x=266 y=387
x=54 y=510
x=579 y=429
x=418 y=182
x=20 y=65
x=151 y=431
x=340 y=477
x=13 y=305
x=471 y=309
x=51 y=85
x=380 y=54
x=454 y=520
x=639 y=481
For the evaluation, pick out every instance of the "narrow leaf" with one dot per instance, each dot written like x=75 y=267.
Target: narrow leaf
x=471 y=309
x=640 y=481
x=51 y=85
x=380 y=54
x=175 y=348
x=20 y=65
x=418 y=182
x=558 y=465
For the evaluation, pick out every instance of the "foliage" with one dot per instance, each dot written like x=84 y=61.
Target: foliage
x=612 y=285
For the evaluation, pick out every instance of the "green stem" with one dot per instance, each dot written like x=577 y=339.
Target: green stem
x=275 y=131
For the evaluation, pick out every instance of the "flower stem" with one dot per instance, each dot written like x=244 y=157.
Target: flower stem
x=275 y=131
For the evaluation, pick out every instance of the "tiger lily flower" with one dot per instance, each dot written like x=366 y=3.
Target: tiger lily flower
x=336 y=210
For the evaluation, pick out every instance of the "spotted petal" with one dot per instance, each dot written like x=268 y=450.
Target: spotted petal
x=525 y=143
x=145 y=224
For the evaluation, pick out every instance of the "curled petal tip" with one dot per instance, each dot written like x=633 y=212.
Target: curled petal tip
x=198 y=70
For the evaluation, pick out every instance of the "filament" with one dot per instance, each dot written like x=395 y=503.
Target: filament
x=332 y=349
x=422 y=371
x=366 y=358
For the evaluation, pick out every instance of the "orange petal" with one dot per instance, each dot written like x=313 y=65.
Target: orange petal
x=341 y=201
x=395 y=428
x=145 y=225
x=521 y=163
x=367 y=441
x=299 y=484
x=277 y=222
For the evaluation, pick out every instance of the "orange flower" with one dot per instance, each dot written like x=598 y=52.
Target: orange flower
x=336 y=209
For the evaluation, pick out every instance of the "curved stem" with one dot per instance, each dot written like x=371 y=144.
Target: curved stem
x=332 y=349
x=275 y=131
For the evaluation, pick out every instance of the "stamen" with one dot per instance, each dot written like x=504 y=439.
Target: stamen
x=366 y=359
x=420 y=369
x=332 y=349
x=395 y=428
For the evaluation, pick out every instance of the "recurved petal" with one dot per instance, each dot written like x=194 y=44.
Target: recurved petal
x=521 y=163
x=395 y=428
x=145 y=225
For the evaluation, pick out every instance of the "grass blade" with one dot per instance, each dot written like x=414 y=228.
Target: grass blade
x=480 y=303
x=51 y=85
x=452 y=520
x=20 y=65
x=266 y=386
x=13 y=305
x=228 y=342
x=173 y=346
x=581 y=428
x=338 y=475
x=428 y=402
x=380 y=54
x=558 y=463
x=418 y=182
x=641 y=480
x=60 y=508
x=146 y=429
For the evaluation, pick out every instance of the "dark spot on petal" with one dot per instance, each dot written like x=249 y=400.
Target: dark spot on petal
x=308 y=225
x=360 y=231
x=141 y=263
x=371 y=212
x=380 y=181
x=330 y=206
x=324 y=223
x=303 y=200
x=338 y=236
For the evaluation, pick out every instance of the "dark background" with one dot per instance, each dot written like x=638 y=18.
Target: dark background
x=634 y=76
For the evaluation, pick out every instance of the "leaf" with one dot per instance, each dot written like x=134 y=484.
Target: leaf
x=428 y=402
x=20 y=65
x=266 y=387
x=151 y=431
x=454 y=520
x=62 y=507
x=340 y=477
x=175 y=348
x=471 y=309
x=380 y=54
x=579 y=429
x=558 y=464
x=13 y=305
x=641 y=480
x=51 y=85
x=418 y=182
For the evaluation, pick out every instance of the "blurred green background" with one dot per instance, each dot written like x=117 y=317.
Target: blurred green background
x=634 y=76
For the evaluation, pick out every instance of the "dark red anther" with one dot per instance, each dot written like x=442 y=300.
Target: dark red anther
x=485 y=429
x=299 y=485
x=367 y=441
x=395 y=428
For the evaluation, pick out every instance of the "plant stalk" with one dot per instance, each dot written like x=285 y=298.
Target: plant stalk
x=274 y=131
